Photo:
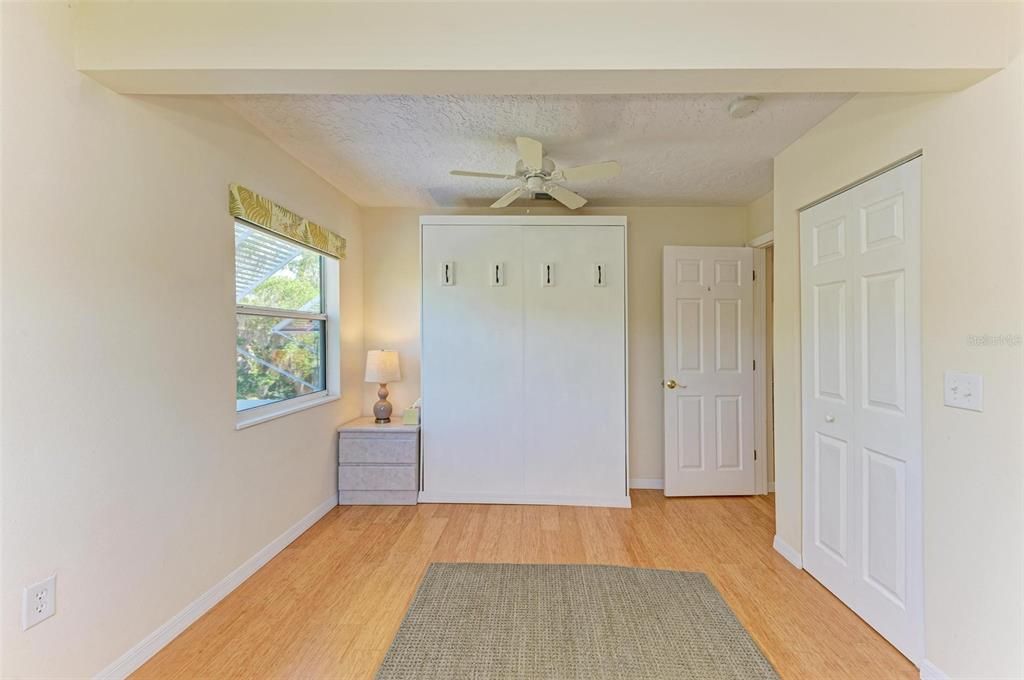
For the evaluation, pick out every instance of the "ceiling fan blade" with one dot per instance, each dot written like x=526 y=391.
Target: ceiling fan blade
x=508 y=198
x=567 y=198
x=488 y=175
x=531 y=151
x=585 y=173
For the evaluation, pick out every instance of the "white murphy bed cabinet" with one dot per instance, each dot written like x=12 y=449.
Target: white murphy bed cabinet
x=524 y=360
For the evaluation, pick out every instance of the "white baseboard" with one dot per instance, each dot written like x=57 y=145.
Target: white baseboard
x=131 y=660
x=497 y=499
x=930 y=671
x=646 y=483
x=788 y=551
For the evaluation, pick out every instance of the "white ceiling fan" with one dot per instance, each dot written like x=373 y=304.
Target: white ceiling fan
x=538 y=175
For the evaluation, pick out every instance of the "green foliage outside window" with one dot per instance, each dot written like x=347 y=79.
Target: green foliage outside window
x=293 y=286
x=280 y=358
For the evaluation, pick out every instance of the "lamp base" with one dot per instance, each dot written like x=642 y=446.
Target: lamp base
x=382 y=409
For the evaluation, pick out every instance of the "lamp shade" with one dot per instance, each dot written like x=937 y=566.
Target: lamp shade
x=382 y=366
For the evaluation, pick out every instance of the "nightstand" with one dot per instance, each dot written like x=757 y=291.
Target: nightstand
x=378 y=463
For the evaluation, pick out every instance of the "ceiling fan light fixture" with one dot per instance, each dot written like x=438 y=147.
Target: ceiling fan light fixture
x=537 y=174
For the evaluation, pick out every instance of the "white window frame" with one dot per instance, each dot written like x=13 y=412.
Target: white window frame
x=330 y=277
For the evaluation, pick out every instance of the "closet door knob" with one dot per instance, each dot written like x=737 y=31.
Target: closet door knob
x=830 y=418
x=671 y=384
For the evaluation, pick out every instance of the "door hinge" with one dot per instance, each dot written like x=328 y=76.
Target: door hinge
x=755 y=454
x=754 y=274
x=755 y=364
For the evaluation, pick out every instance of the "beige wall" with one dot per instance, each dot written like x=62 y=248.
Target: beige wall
x=760 y=216
x=393 y=290
x=972 y=284
x=460 y=47
x=123 y=472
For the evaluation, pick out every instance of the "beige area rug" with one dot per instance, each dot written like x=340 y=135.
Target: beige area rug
x=586 y=622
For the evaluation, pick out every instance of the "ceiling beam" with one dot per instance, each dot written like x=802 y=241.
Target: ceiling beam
x=541 y=47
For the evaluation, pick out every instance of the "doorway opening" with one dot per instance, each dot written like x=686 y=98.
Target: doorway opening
x=764 y=375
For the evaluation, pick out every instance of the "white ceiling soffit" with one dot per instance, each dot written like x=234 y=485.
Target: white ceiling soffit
x=675 y=149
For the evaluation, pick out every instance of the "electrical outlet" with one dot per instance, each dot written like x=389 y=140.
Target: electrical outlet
x=38 y=602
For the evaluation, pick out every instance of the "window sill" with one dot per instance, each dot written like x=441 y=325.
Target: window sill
x=246 y=419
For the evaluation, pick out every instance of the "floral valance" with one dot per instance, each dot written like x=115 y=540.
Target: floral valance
x=247 y=205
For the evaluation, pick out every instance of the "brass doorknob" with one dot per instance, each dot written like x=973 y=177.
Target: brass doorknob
x=671 y=384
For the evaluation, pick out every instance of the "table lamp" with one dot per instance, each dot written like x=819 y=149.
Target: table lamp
x=382 y=368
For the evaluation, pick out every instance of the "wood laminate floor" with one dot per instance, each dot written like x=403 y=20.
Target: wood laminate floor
x=329 y=604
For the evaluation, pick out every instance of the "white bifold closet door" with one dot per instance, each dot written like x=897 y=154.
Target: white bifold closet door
x=861 y=328
x=524 y=364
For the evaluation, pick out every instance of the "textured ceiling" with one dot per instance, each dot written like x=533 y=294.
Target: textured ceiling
x=674 y=149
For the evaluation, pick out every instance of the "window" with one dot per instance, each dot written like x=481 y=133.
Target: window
x=281 y=342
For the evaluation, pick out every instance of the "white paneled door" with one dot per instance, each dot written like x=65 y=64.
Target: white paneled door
x=708 y=379
x=860 y=318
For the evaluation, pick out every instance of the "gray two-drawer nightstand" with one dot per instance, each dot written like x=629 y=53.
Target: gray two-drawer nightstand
x=378 y=463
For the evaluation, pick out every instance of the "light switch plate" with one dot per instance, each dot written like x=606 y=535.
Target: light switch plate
x=963 y=390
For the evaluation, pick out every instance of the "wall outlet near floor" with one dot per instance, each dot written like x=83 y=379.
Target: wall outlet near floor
x=963 y=390
x=38 y=602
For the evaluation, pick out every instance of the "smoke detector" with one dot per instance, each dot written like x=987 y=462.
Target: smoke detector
x=741 y=107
